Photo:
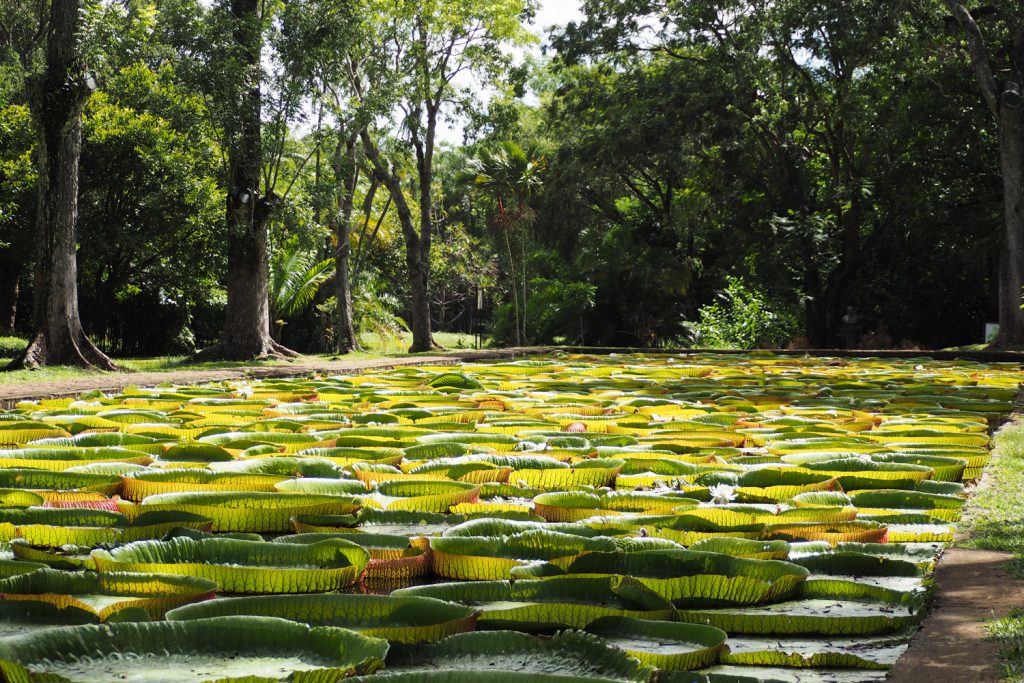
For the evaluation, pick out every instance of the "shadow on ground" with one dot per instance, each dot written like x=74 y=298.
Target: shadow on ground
x=952 y=645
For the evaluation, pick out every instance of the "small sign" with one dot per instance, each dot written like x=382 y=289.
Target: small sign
x=991 y=330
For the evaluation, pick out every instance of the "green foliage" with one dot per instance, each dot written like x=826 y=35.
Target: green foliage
x=460 y=264
x=295 y=277
x=995 y=515
x=17 y=184
x=10 y=347
x=508 y=174
x=788 y=145
x=557 y=311
x=375 y=313
x=150 y=202
x=1008 y=632
x=624 y=205
x=744 y=318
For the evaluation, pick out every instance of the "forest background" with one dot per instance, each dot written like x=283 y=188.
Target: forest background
x=657 y=173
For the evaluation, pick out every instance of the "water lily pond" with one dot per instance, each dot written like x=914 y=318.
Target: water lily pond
x=600 y=518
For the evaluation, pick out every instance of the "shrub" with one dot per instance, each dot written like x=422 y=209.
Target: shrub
x=745 y=318
x=10 y=347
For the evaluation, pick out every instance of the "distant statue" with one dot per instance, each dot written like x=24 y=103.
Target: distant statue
x=851 y=328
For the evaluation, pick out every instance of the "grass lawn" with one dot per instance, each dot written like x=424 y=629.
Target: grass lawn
x=995 y=515
x=995 y=519
x=373 y=347
x=1009 y=632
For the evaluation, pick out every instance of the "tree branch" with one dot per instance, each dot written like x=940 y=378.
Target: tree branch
x=978 y=52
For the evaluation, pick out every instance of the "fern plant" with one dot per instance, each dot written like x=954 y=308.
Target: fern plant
x=295 y=277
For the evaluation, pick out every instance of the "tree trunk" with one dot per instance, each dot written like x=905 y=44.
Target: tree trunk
x=418 y=258
x=1011 y=264
x=415 y=253
x=841 y=281
x=814 y=303
x=1004 y=103
x=346 y=172
x=246 y=332
x=10 y=288
x=419 y=274
x=57 y=97
x=515 y=287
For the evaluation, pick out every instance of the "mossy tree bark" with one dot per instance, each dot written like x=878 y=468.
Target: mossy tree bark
x=346 y=170
x=246 y=333
x=57 y=97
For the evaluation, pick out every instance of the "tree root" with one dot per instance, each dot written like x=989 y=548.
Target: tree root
x=345 y=350
x=268 y=349
x=431 y=345
x=282 y=350
x=78 y=352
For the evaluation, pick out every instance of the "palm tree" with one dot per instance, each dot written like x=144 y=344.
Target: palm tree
x=510 y=175
x=295 y=278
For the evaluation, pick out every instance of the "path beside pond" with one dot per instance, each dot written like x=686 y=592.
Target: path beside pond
x=10 y=394
x=971 y=587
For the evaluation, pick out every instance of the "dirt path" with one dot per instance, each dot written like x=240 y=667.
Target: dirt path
x=13 y=393
x=970 y=587
x=951 y=647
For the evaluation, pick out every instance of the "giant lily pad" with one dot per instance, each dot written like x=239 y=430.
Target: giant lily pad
x=559 y=602
x=221 y=648
x=258 y=512
x=852 y=653
x=239 y=566
x=105 y=595
x=404 y=619
x=819 y=617
x=665 y=645
x=515 y=655
x=694 y=578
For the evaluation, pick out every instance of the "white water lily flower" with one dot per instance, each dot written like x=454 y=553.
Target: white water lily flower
x=722 y=494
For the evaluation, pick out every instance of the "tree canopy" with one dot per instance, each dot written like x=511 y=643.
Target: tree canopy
x=660 y=173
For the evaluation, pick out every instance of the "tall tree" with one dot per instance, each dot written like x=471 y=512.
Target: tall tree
x=509 y=175
x=322 y=44
x=57 y=96
x=246 y=331
x=346 y=173
x=428 y=46
x=1003 y=95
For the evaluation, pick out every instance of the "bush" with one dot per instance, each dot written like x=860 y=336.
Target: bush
x=555 y=311
x=745 y=318
x=10 y=347
x=375 y=316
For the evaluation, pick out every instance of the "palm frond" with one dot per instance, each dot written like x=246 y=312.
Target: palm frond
x=295 y=278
